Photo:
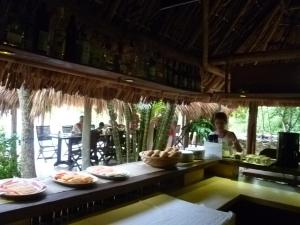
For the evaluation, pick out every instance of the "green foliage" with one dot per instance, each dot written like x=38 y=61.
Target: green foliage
x=164 y=127
x=275 y=119
x=270 y=120
x=240 y=114
x=202 y=126
x=8 y=157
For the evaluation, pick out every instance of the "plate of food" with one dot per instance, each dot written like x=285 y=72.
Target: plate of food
x=108 y=172
x=74 y=179
x=21 y=188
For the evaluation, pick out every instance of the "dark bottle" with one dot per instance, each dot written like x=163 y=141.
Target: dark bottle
x=41 y=30
x=185 y=77
x=180 y=82
x=189 y=77
x=108 y=50
x=84 y=46
x=57 y=34
x=71 y=48
x=160 y=69
x=15 y=27
x=97 y=47
x=169 y=72
x=5 y=10
x=152 y=68
x=175 y=74
x=29 y=20
x=198 y=78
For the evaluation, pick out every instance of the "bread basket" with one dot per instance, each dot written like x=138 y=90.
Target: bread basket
x=158 y=162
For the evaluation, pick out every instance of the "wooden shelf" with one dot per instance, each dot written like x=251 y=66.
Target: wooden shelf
x=43 y=62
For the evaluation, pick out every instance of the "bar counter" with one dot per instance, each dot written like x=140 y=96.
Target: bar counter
x=184 y=182
x=110 y=192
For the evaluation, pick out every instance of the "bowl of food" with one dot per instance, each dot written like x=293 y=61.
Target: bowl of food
x=161 y=159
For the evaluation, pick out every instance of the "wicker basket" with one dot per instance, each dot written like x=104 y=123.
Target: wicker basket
x=158 y=162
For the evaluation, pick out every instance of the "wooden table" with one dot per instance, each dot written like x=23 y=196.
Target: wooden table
x=70 y=140
x=58 y=202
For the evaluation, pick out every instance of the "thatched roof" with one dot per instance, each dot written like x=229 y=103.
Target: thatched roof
x=43 y=100
x=240 y=32
x=235 y=32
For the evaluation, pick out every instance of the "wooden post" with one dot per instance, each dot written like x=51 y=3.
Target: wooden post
x=86 y=134
x=252 y=121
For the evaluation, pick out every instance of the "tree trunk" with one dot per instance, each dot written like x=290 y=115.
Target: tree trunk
x=14 y=130
x=86 y=135
x=27 y=163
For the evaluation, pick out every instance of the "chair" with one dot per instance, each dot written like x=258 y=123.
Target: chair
x=67 y=129
x=45 y=142
x=76 y=146
x=270 y=152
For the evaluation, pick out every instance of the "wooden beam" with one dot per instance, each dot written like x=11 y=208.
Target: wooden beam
x=266 y=26
x=207 y=67
x=257 y=57
x=86 y=135
x=252 y=122
x=233 y=24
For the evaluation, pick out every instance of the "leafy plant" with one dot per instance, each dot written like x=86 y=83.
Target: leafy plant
x=8 y=157
x=202 y=127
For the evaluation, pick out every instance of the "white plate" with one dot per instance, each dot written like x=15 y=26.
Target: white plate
x=77 y=185
x=12 y=188
x=108 y=172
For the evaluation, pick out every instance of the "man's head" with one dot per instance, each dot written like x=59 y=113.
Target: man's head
x=81 y=119
x=220 y=121
x=101 y=125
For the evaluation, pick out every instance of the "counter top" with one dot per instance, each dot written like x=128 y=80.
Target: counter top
x=215 y=192
x=13 y=211
x=160 y=209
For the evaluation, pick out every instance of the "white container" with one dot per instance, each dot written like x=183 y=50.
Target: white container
x=212 y=150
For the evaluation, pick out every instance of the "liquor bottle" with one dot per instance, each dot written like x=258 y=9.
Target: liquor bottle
x=96 y=50
x=169 y=72
x=15 y=28
x=175 y=74
x=189 y=78
x=58 y=35
x=198 y=78
x=5 y=9
x=41 y=30
x=71 y=48
x=180 y=77
x=108 y=49
x=160 y=68
x=151 y=67
x=84 y=46
x=185 y=77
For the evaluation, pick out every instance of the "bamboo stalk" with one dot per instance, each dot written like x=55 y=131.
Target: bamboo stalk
x=146 y=129
x=115 y=131
x=128 y=120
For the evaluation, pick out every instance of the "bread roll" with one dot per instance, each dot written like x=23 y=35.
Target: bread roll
x=163 y=154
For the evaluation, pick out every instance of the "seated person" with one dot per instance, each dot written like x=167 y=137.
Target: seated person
x=101 y=127
x=77 y=128
x=220 y=121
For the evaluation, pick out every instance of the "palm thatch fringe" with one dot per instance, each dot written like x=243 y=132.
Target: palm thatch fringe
x=13 y=75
